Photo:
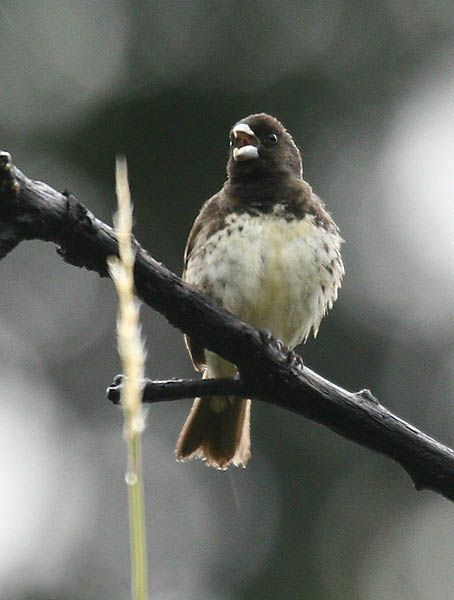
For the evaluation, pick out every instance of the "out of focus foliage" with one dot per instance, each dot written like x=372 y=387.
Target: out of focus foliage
x=366 y=88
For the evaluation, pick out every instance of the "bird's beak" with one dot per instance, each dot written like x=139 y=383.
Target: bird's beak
x=245 y=143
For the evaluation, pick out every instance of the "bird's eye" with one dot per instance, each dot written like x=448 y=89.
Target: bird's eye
x=272 y=138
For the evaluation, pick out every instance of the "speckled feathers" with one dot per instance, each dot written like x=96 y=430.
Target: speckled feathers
x=265 y=249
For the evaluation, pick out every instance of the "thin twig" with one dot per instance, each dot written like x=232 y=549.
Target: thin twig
x=176 y=389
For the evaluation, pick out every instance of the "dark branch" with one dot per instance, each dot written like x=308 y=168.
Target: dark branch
x=33 y=210
x=176 y=389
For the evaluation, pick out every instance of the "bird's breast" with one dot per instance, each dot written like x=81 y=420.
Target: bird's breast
x=273 y=273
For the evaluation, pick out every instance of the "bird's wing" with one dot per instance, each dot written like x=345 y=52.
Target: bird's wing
x=197 y=354
x=210 y=218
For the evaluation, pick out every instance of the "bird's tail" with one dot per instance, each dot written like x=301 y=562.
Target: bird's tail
x=217 y=431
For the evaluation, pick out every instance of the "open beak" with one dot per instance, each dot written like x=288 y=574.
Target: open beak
x=245 y=143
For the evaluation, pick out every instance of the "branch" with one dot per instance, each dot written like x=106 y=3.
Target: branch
x=177 y=389
x=268 y=370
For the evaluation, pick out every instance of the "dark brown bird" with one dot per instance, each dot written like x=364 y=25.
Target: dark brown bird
x=265 y=249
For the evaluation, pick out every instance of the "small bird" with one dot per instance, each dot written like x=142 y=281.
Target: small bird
x=265 y=249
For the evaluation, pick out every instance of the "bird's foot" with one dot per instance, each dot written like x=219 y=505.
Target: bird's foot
x=278 y=348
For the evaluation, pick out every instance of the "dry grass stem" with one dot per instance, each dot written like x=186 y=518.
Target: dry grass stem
x=132 y=354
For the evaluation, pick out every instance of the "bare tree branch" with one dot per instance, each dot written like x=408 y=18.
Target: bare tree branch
x=176 y=389
x=268 y=371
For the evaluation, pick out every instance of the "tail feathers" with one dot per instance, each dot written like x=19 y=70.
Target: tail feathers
x=217 y=431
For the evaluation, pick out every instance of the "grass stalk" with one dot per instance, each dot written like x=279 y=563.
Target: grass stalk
x=132 y=354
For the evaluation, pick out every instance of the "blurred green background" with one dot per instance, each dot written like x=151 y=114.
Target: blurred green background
x=367 y=90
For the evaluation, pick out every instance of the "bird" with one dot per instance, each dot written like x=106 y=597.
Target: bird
x=265 y=248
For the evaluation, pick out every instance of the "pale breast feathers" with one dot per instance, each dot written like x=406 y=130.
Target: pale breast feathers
x=274 y=272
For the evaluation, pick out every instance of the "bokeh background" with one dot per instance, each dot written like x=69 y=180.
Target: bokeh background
x=367 y=89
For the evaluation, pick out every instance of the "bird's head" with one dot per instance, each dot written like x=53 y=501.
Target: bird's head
x=260 y=145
